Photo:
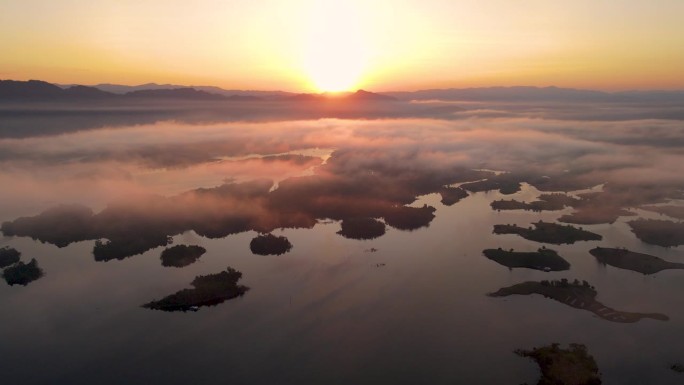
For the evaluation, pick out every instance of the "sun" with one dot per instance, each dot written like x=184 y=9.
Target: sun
x=336 y=50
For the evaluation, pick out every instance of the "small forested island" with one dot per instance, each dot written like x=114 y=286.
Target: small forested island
x=60 y=225
x=181 y=255
x=572 y=366
x=659 y=232
x=8 y=256
x=269 y=244
x=546 y=202
x=629 y=260
x=543 y=259
x=409 y=218
x=362 y=228
x=546 y=232
x=580 y=295
x=207 y=290
x=670 y=211
x=22 y=273
x=452 y=195
x=594 y=215
x=124 y=247
x=506 y=184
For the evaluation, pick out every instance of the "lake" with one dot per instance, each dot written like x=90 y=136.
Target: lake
x=403 y=301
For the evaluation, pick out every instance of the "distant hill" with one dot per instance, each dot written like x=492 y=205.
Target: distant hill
x=36 y=90
x=175 y=93
x=365 y=95
x=517 y=94
x=29 y=90
x=86 y=93
x=359 y=95
x=122 y=89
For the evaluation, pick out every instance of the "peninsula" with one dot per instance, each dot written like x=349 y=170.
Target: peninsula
x=546 y=232
x=543 y=259
x=629 y=260
x=575 y=294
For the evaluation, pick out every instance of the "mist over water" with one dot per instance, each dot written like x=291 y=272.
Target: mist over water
x=387 y=210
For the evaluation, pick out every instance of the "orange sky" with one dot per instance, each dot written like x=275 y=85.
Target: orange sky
x=314 y=45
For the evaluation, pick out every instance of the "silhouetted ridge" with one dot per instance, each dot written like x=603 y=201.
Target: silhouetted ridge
x=35 y=90
x=29 y=90
x=123 y=89
x=366 y=95
x=87 y=92
x=524 y=93
x=360 y=95
x=176 y=93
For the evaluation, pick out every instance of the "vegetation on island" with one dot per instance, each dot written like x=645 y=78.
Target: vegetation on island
x=208 y=290
x=506 y=183
x=409 y=218
x=452 y=195
x=181 y=255
x=8 y=256
x=589 y=210
x=546 y=202
x=594 y=215
x=659 y=232
x=60 y=225
x=671 y=211
x=22 y=273
x=543 y=259
x=629 y=260
x=269 y=244
x=572 y=366
x=580 y=295
x=362 y=228
x=546 y=232
x=119 y=249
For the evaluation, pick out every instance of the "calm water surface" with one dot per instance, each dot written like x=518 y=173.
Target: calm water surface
x=330 y=310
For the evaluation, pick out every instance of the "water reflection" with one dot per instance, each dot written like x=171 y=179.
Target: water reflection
x=368 y=234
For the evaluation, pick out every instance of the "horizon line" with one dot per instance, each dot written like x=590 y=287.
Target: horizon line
x=152 y=83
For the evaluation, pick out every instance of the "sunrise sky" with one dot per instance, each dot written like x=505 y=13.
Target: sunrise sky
x=318 y=45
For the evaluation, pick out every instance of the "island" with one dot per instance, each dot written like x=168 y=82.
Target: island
x=546 y=232
x=409 y=218
x=362 y=228
x=543 y=259
x=208 y=290
x=629 y=260
x=572 y=366
x=659 y=232
x=671 y=211
x=579 y=295
x=131 y=244
x=181 y=255
x=546 y=202
x=506 y=183
x=679 y=368
x=22 y=273
x=8 y=256
x=594 y=215
x=269 y=244
x=452 y=195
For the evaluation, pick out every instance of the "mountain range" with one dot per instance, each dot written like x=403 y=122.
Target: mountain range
x=36 y=90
